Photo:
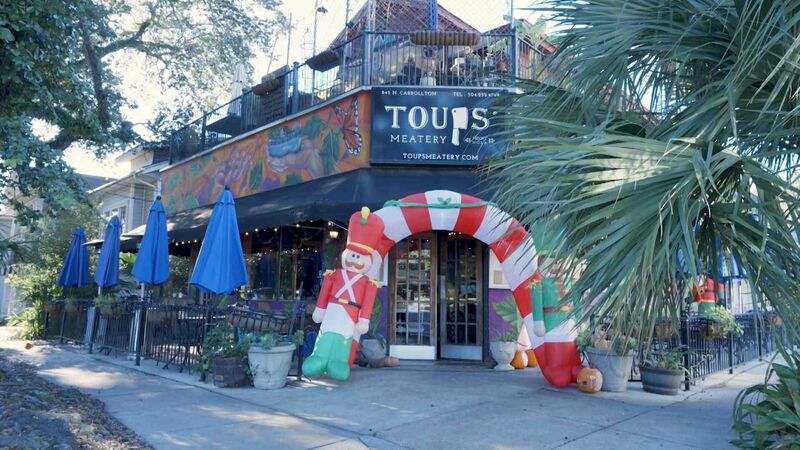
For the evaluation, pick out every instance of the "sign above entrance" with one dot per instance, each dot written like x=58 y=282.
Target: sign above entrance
x=433 y=126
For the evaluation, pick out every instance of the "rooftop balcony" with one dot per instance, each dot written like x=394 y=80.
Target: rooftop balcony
x=369 y=59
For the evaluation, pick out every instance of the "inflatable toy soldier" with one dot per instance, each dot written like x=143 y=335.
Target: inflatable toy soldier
x=345 y=300
x=706 y=294
x=558 y=356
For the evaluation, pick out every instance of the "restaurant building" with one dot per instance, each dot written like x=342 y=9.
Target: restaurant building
x=382 y=114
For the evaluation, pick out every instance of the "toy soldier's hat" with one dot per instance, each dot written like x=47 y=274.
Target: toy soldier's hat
x=364 y=232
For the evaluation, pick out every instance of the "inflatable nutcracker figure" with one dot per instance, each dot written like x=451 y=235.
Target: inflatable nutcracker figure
x=558 y=355
x=706 y=294
x=345 y=300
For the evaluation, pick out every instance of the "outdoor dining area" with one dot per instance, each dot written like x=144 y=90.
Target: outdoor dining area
x=131 y=315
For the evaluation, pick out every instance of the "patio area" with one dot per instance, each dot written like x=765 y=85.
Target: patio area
x=418 y=405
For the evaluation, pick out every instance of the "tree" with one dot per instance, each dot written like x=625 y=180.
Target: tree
x=671 y=138
x=61 y=64
x=36 y=277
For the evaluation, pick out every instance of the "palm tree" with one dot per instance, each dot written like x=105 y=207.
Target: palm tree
x=671 y=137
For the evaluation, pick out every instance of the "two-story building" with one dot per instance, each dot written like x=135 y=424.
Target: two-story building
x=381 y=114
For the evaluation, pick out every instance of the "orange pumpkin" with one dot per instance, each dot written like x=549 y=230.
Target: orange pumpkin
x=590 y=380
x=531 y=358
x=520 y=360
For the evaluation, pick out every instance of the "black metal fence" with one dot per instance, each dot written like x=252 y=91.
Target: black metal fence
x=369 y=59
x=168 y=334
x=706 y=351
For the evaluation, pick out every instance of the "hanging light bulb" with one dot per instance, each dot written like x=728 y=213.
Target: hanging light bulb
x=333 y=234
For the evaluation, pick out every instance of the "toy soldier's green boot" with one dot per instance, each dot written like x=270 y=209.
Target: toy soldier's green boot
x=330 y=356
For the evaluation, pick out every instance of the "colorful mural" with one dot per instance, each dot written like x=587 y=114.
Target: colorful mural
x=327 y=141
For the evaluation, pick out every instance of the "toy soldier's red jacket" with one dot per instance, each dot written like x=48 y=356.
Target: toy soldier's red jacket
x=352 y=292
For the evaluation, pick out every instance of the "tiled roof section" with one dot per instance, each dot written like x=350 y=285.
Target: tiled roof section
x=402 y=16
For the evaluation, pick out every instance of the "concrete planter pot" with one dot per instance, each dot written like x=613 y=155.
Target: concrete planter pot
x=615 y=369
x=373 y=349
x=503 y=354
x=661 y=381
x=270 y=367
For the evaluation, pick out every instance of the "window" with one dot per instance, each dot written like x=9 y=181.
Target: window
x=121 y=212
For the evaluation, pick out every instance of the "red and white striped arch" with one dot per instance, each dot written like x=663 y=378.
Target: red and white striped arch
x=451 y=211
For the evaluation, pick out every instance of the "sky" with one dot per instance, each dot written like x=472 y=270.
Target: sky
x=140 y=85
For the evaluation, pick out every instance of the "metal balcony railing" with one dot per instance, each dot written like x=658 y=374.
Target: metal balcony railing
x=391 y=59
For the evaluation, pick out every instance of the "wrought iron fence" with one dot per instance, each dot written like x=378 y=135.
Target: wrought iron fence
x=706 y=351
x=113 y=328
x=66 y=320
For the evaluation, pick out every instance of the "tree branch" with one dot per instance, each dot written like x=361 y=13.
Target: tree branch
x=130 y=41
x=93 y=60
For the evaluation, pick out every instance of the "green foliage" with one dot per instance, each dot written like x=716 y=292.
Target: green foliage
x=313 y=127
x=510 y=335
x=35 y=278
x=272 y=338
x=374 y=322
x=64 y=64
x=330 y=151
x=219 y=343
x=671 y=359
x=721 y=315
x=507 y=310
x=652 y=146
x=767 y=416
x=584 y=339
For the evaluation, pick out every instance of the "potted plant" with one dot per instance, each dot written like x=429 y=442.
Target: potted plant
x=609 y=351
x=664 y=372
x=224 y=357
x=270 y=356
x=719 y=323
x=373 y=346
x=503 y=348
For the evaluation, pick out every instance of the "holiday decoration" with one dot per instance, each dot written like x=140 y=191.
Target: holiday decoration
x=590 y=380
x=512 y=245
x=520 y=360
x=345 y=301
x=705 y=295
x=531 y=358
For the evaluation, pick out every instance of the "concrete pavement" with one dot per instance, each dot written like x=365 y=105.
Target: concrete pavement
x=418 y=405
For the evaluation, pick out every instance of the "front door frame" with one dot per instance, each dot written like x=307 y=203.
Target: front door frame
x=455 y=351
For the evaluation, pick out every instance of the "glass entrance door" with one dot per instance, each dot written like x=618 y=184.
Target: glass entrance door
x=460 y=298
x=412 y=334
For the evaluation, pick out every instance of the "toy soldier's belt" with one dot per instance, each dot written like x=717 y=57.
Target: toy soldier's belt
x=345 y=301
x=565 y=308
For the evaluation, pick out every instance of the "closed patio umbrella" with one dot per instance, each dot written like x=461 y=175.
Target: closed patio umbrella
x=220 y=265
x=152 y=261
x=106 y=273
x=75 y=270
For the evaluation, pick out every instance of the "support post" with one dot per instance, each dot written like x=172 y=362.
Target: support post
x=63 y=320
x=203 y=133
x=296 y=87
x=685 y=347
x=366 y=59
x=93 y=327
x=140 y=330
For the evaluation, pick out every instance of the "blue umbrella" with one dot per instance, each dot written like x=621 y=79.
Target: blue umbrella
x=220 y=265
x=75 y=271
x=106 y=274
x=152 y=260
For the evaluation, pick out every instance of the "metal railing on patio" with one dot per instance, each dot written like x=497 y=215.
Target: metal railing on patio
x=392 y=59
x=706 y=353
x=66 y=320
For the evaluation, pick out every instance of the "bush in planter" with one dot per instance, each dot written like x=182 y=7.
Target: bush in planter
x=768 y=415
x=504 y=347
x=664 y=372
x=224 y=357
x=373 y=346
x=609 y=352
x=720 y=323
x=270 y=357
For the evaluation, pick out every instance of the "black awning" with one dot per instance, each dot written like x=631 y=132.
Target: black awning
x=335 y=197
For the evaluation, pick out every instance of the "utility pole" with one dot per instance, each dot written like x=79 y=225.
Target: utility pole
x=289 y=40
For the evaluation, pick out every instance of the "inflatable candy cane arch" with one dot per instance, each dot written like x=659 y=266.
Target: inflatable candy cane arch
x=451 y=211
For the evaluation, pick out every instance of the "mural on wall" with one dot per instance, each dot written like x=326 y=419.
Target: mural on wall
x=324 y=142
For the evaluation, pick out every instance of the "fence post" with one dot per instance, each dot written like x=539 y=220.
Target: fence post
x=296 y=87
x=757 y=327
x=203 y=133
x=730 y=352
x=93 y=329
x=140 y=331
x=366 y=60
x=685 y=347
x=63 y=320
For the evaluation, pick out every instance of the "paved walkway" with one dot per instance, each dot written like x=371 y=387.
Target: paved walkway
x=413 y=406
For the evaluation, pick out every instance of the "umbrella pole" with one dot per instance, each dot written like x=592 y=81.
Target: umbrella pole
x=93 y=328
x=140 y=326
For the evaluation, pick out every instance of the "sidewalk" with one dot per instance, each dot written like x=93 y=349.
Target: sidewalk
x=413 y=406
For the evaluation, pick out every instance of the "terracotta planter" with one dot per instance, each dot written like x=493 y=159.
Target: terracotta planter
x=503 y=353
x=712 y=330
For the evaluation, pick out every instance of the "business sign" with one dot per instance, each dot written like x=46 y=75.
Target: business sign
x=441 y=126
